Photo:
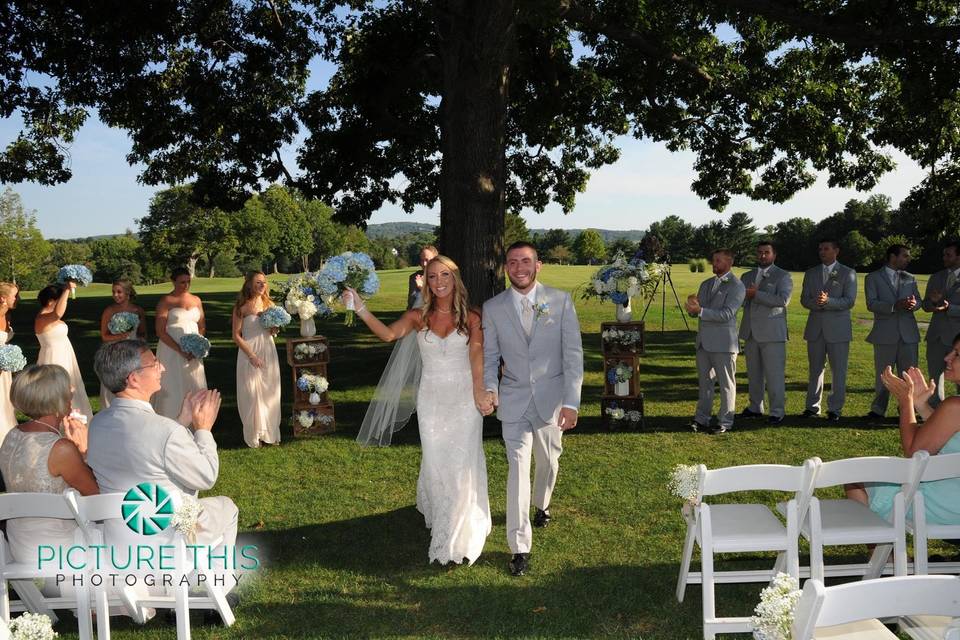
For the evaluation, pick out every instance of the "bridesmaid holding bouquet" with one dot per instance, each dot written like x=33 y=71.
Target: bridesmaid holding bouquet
x=55 y=348
x=120 y=321
x=178 y=313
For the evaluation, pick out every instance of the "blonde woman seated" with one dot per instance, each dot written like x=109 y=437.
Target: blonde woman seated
x=939 y=433
x=44 y=455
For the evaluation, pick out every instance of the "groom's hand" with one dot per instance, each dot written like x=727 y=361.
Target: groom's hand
x=568 y=419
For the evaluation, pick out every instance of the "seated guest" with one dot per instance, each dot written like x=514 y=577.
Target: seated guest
x=44 y=455
x=939 y=433
x=130 y=443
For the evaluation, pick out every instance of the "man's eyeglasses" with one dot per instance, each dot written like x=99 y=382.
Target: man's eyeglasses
x=153 y=365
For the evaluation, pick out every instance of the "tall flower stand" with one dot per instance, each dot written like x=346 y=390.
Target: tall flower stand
x=321 y=412
x=623 y=397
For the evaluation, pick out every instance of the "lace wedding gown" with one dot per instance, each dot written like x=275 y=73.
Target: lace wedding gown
x=180 y=376
x=8 y=415
x=55 y=348
x=258 y=390
x=452 y=488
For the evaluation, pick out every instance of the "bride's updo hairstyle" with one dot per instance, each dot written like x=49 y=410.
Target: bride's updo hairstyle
x=460 y=309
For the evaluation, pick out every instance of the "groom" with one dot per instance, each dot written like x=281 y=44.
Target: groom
x=533 y=330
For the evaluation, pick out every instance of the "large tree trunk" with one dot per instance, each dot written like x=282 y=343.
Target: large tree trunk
x=192 y=265
x=476 y=43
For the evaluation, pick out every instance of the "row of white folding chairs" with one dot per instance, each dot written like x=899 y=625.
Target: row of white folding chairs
x=88 y=512
x=726 y=528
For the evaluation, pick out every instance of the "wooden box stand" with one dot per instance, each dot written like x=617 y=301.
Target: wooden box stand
x=614 y=355
x=316 y=363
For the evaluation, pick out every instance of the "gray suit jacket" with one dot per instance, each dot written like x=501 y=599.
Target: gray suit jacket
x=891 y=325
x=547 y=366
x=765 y=317
x=832 y=321
x=945 y=326
x=718 y=316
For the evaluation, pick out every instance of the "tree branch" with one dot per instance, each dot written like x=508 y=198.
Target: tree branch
x=845 y=31
x=283 y=167
x=588 y=20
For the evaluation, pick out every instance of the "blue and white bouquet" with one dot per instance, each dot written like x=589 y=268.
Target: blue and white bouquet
x=75 y=273
x=312 y=384
x=622 y=280
x=32 y=626
x=196 y=345
x=351 y=269
x=123 y=322
x=11 y=358
x=274 y=318
x=305 y=295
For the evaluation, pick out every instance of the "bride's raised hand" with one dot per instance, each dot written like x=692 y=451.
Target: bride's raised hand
x=351 y=293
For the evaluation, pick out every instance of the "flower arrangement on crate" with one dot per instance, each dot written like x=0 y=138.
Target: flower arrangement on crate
x=309 y=419
x=74 y=273
x=627 y=340
x=32 y=626
x=308 y=351
x=619 y=376
x=123 y=322
x=351 y=269
x=619 y=414
x=11 y=358
x=195 y=344
x=313 y=384
x=773 y=615
x=622 y=280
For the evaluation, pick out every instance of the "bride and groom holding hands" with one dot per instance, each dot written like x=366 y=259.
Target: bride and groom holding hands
x=453 y=357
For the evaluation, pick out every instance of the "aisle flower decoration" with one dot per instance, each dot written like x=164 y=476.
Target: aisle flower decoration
x=186 y=516
x=620 y=373
x=304 y=295
x=32 y=626
x=774 y=614
x=622 y=280
x=351 y=269
x=196 y=345
x=309 y=418
x=685 y=482
x=308 y=350
x=123 y=322
x=11 y=358
x=275 y=317
x=625 y=339
x=312 y=384
x=75 y=273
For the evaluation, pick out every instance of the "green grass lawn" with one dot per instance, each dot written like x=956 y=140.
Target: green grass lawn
x=346 y=551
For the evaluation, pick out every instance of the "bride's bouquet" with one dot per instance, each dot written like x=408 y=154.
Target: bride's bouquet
x=622 y=280
x=75 y=273
x=123 y=322
x=351 y=269
x=305 y=294
x=274 y=318
x=196 y=345
x=11 y=358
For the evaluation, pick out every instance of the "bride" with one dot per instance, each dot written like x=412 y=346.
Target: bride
x=452 y=488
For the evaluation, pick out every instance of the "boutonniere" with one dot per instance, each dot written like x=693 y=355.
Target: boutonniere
x=540 y=309
x=834 y=276
x=906 y=277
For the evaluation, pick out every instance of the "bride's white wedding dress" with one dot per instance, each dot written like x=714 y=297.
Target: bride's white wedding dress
x=452 y=488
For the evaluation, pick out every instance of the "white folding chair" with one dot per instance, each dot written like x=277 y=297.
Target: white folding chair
x=939 y=467
x=730 y=528
x=837 y=522
x=105 y=507
x=850 y=611
x=22 y=574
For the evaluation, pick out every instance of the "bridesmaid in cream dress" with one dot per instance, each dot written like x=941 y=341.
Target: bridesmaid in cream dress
x=9 y=295
x=55 y=347
x=178 y=313
x=123 y=296
x=258 y=368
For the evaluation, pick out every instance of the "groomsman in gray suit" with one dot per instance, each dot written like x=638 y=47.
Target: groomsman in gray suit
x=763 y=328
x=533 y=331
x=942 y=299
x=893 y=297
x=716 y=304
x=829 y=292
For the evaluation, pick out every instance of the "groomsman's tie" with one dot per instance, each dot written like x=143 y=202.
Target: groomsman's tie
x=526 y=315
x=951 y=278
x=826 y=274
x=716 y=285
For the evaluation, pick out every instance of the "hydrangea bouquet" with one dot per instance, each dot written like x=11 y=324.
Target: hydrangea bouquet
x=123 y=322
x=304 y=295
x=312 y=384
x=309 y=418
x=622 y=280
x=11 y=358
x=351 y=269
x=274 y=318
x=196 y=345
x=75 y=273
x=774 y=614
x=32 y=626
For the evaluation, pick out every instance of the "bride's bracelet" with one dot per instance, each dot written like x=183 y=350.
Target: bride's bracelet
x=363 y=308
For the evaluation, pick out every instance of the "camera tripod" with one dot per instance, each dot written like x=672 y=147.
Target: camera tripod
x=665 y=279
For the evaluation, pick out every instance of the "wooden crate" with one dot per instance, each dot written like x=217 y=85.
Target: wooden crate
x=302 y=398
x=628 y=405
x=610 y=362
x=324 y=423
x=322 y=358
x=611 y=348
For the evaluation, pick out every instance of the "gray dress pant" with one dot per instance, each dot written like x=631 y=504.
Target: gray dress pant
x=716 y=369
x=766 y=374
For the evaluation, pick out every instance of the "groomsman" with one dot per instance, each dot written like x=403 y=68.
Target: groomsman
x=763 y=329
x=893 y=297
x=829 y=292
x=942 y=299
x=716 y=304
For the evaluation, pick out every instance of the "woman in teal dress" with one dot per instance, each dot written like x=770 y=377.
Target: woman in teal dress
x=939 y=433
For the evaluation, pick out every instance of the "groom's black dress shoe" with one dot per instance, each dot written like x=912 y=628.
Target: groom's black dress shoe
x=519 y=564
x=541 y=517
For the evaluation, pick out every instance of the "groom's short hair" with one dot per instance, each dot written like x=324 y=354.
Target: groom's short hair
x=522 y=244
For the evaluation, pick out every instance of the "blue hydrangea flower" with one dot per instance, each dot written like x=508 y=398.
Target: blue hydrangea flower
x=371 y=285
x=11 y=358
x=612 y=375
x=335 y=269
x=303 y=384
x=274 y=317
x=196 y=345
x=123 y=322
x=327 y=286
x=307 y=291
x=618 y=297
x=76 y=272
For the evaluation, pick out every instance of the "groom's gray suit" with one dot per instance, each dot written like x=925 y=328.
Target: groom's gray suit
x=763 y=329
x=542 y=372
x=717 y=346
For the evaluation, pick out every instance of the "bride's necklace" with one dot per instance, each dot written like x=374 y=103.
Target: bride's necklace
x=48 y=426
x=439 y=310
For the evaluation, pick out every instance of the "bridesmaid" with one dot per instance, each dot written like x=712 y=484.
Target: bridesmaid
x=178 y=313
x=55 y=347
x=258 y=368
x=9 y=296
x=123 y=296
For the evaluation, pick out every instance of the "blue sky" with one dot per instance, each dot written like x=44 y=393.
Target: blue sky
x=647 y=184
